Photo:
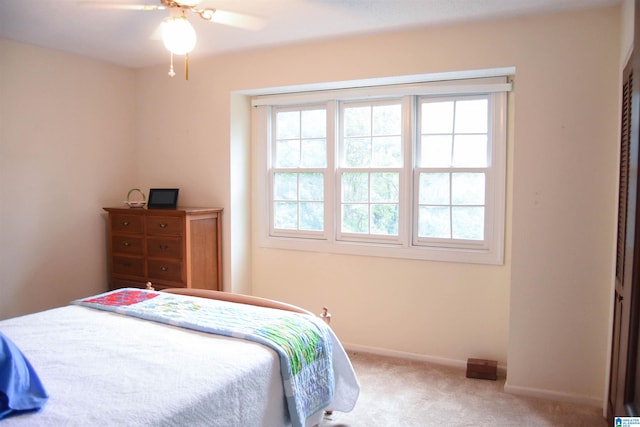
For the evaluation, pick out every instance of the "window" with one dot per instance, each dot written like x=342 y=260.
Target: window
x=411 y=171
x=368 y=173
x=299 y=169
x=451 y=171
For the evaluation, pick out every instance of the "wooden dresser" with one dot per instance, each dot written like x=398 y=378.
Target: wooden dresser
x=178 y=248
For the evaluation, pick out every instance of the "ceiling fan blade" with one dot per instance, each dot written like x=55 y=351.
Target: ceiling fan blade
x=120 y=6
x=233 y=19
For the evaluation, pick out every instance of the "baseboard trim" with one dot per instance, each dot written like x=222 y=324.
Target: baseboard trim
x=552 y=395
x=462 y=364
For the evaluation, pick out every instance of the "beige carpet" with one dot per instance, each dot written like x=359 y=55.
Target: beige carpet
x=405 y=393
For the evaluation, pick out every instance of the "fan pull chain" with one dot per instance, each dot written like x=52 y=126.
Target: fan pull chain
x=186 y=66
x=171 y=72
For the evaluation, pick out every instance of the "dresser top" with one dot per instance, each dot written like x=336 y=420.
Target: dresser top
x=180 y=211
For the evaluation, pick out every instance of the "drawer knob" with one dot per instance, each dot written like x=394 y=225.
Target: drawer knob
x=163 y=268
x=163 y=247
x=163 y=225
x=126 y=244
x=125 y=223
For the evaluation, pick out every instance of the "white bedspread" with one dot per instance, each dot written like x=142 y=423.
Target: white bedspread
x=121 y=371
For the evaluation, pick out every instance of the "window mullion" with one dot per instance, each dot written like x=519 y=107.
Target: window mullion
x=331 y=192
x=407 y=201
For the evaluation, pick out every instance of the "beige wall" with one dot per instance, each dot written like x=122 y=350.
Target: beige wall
x=627 y=13
x=66 y=149
x=565 y=162
x=544 y=314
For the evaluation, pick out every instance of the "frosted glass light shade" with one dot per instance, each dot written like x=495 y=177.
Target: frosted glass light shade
x=189 y=3
x=178 y=35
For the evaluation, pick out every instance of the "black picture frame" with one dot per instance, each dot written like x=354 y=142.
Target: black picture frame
x=163 y=198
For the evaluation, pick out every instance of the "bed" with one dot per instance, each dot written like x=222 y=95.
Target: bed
x=182 y=357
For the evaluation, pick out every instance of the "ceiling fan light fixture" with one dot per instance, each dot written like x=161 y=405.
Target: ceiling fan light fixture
x=187 y=3
x=178 y=35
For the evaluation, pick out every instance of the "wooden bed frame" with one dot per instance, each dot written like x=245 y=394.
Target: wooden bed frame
x=238 y=298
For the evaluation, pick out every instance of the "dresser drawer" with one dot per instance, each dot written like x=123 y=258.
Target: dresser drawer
x=117 y=283
x=128 y=265
x=164 y=247
x=127 y=223
x=125 y=244
x=164 y=270
x=169 y=248
x=164 y=226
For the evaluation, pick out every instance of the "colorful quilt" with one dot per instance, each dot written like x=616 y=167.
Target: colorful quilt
x=302 y=342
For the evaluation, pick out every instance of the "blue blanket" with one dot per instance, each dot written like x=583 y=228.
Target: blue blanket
x=20 y=388
x=302 y=342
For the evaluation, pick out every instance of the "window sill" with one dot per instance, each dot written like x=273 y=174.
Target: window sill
x=494 y=256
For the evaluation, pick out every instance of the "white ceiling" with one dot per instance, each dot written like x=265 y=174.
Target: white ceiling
x=129 y=37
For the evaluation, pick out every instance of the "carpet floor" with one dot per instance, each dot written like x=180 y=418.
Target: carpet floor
x=407 y=393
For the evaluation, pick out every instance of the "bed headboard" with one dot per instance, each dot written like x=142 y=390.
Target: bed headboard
x=239 y=298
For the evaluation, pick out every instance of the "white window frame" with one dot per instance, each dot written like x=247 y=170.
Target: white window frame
x=490 y=253
x=340 y=236
x=326 y=172
x=493 y=177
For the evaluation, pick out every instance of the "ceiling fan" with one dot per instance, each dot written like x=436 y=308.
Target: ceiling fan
x=178 y=34
x=211 y=14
